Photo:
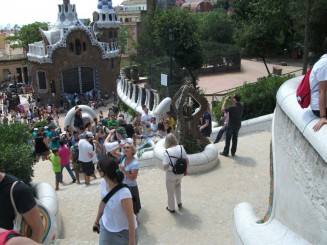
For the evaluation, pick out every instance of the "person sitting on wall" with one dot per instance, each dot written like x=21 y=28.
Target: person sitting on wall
x=318 y=101
x=24 y=202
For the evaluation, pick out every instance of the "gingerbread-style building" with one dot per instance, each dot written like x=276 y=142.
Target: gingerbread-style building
x=74 y=59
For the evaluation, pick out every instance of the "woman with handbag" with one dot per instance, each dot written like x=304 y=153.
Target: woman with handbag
x=118 y=223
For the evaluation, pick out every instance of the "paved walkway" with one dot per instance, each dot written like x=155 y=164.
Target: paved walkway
x=208 y=199
x=250 y=72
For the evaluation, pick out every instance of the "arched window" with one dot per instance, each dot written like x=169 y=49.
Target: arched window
x=84 y=46
x=103 y=17
x=78 y=47
x=110 y=17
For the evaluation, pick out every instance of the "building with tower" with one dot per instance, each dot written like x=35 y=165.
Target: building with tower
x=76 y=61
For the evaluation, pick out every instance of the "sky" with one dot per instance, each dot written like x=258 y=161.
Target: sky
x=24 y=12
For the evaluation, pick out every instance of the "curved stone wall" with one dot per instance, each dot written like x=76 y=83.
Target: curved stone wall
x=199 y=162
x=299 y=207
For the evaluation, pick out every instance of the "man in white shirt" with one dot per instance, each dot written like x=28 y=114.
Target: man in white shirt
x=146 y=120
x=318 y=96
x=85 y=155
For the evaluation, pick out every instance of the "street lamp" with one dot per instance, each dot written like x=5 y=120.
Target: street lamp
x=171 y=41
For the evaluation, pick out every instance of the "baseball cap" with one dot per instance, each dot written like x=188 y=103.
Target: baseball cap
x=35 y=129
x=75 y=131
x=89 y=135
x=121 y=131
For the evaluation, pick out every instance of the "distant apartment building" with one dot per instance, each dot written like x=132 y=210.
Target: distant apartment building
x=13 y=62
x=130 y=13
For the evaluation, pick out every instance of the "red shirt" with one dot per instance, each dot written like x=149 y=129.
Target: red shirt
x=64 y=154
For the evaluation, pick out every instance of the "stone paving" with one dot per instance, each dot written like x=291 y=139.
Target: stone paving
x=208 y=199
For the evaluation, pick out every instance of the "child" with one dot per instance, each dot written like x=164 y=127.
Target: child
x=55 y=159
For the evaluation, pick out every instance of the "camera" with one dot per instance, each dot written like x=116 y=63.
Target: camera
x=96 y=229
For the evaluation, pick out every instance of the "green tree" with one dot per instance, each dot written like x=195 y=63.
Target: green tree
x=263 y=28
x=124 y=36
x=27 y=34
x=147 y=52
x=215 y=26
x=187 y=50
x=16 y=154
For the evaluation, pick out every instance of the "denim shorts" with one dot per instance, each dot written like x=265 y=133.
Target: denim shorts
x=117 y=238
x=59 y=176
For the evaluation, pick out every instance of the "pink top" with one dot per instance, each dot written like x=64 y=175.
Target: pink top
x=64 y=154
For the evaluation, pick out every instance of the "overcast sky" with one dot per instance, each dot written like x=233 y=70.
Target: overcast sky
x=24 y=12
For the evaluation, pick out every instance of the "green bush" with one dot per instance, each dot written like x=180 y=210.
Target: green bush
x=16 y=152
x=40 y=124
x=258 y=98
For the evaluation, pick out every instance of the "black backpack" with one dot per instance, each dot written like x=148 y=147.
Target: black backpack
x=180 y=165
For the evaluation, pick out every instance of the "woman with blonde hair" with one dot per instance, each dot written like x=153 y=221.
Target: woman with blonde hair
x=173 y=181
x=130 y=167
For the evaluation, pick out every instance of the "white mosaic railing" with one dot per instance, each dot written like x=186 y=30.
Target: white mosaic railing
x=298 y=210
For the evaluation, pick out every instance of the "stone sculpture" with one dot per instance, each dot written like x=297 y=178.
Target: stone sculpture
x=187 y=131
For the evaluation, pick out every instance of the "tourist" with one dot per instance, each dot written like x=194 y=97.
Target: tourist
x=223 y=128
x=94 y=126
x=129 y=129
x=153 y=126
x=161 y=129
x=64 y=154
x=173 y=181
x=121 y=136
x=78 y=119
x=112 y=124
x=318 y=96
x=130 y=167
x=11 y=237
x=40 y=147
x=235 y=119
x=137 y=124
x=56 y=168
x=85 y=156
x=25 y=203
x=166 y=124
x=146 y=120
x=74 y=152
x=118 y=223
x=206 y=127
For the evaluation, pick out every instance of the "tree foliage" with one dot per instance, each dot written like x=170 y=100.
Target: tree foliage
x=258 y=98
x=27 y=34
x=215 y=26
x=147 y=52
x=187 y=50
x=16 y=154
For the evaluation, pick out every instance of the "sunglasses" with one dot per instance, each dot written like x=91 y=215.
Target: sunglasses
x=126 y=147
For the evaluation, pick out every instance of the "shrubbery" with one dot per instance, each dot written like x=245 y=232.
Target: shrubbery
x=258 y=98
x=16 y=152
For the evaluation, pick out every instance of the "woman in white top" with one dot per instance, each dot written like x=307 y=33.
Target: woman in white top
x=118 y=223
x=173 y=181
x=130 y=167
